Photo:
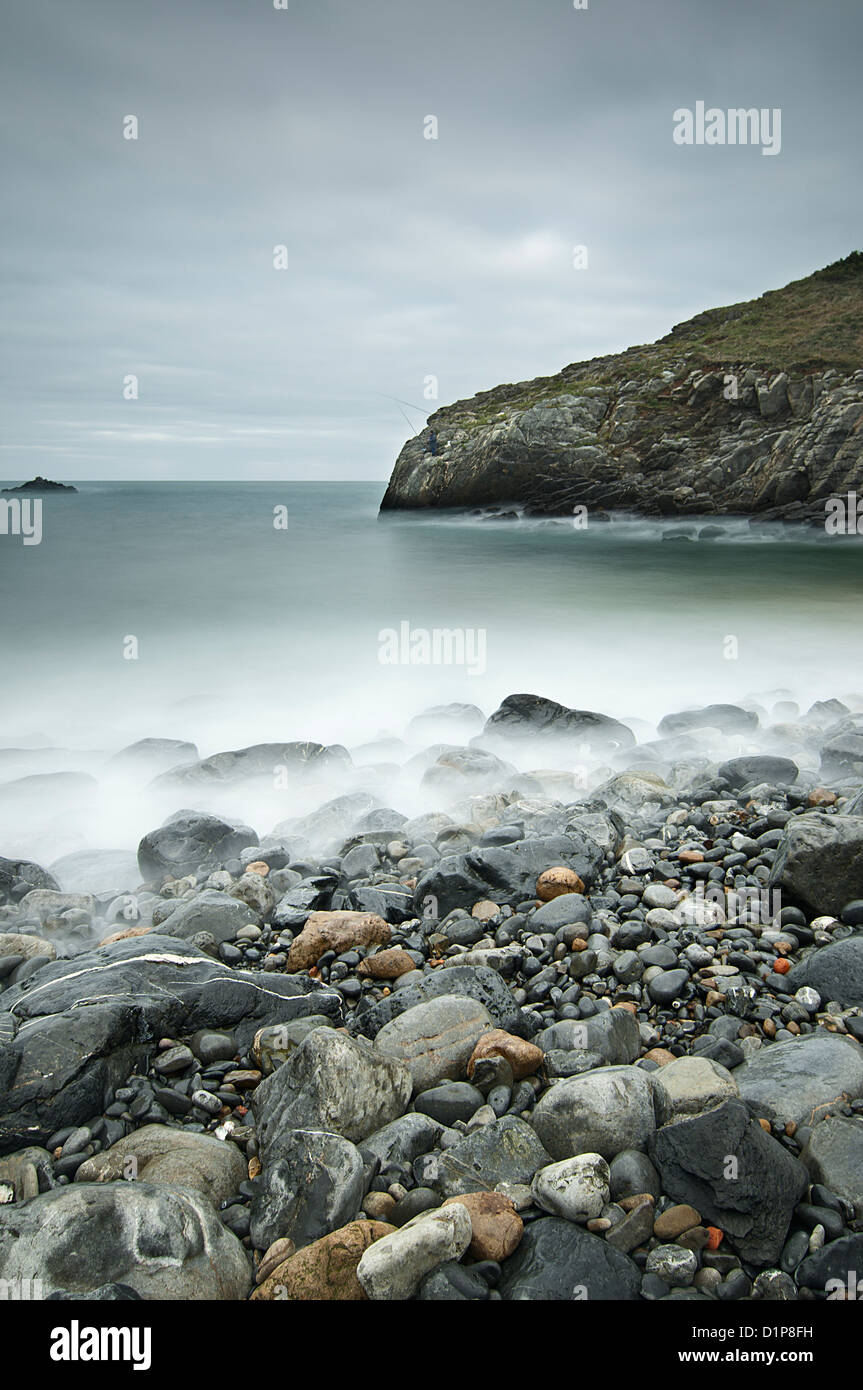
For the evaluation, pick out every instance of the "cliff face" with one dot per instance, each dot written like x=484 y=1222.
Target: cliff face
x=757 y=408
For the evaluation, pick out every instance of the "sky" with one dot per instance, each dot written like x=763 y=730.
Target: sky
x=413 y=264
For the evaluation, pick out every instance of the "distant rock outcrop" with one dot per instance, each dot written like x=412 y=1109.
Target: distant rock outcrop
x=40 y=485
x=753 y=409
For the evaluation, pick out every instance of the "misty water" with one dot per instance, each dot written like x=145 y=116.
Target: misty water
x=246 y=633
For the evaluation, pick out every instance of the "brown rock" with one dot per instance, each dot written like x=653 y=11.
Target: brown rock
x=524 y=1057
x=660 y=1055
x=386 y=965
x=497 y=1226
x=335 y=931
x=697 y=1238
x=672 y=1222
x=378 y=1205
x=820 y=796
x=326 y=1269
x=636 y=1200
x=691 y=856
x=278 y=1252
x=259 y=867
x=555 y=882
x=483 y=911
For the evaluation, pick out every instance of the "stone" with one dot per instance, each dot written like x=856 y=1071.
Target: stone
x=676 y=1266
x=22 y=944
x=273 y=1045
x=210 y=911
x=452 y=1101
x=834 y=1267
x=473 y=982
x=819 y=862
x=395 y=1266
x=436 y=1039
x=554 y=883
x=795 y=1082
x=738 y=1177
x=603 y=1111
x=166 y=1243
x=331 y=1082
x=835 y=972
x=335 y=931
x=559 y=1261
x=496 y=1225
x=612 y=1034
x=95 y=1017
x=386 y=965
x=739 y=772
x=505 y=1150
x=631 y=1174
x=635 y=1229
x=576 y=1188
x=524 y=1058
x=675 y=1221
x=834 y=1157
x=311 y=1185
x=506 y=874
x=694 y=1084
x=398 y=1143
x=163 y=1154
x=188 y=842
x=325 y=1271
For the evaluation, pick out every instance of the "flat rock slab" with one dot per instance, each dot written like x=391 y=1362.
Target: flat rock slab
x=738 y=1177
x=84 y=1023
x=162 y=1242
x=558 y=1261
x=796 y=1082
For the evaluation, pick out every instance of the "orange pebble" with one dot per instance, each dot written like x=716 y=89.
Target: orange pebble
x=715 y=1238
x=781 y=966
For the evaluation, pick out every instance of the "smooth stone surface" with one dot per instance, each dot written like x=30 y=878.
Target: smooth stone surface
x=694 y=1084
x=163 y=1154
x=602 y=1112
x=395 y=1266
x=558 y=1261
x=796 y=1081
x=506 y=1150
x=834 y=1157
x=435 y=1039
x=576 y=1188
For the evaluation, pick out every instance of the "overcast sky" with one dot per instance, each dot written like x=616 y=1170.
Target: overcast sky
x=408 y=257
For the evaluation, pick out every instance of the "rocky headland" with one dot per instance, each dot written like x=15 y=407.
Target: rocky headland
x=754 y=409
x=39 y=484
x=550 y=1041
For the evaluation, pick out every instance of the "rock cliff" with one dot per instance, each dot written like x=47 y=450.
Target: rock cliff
x=752 y=409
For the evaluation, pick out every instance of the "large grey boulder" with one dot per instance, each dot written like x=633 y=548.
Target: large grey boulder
x=477 y=982
x=331 y=1082
x=603 y=1111
x=834 y=1157
x=311 y=1185
x=737 y=1176
x=507 y=1150
x=797 y=1081
x=215 y=913
x=504 y=873
x=86 y=1022
x=819 y=861
x=163 y=1242
x=176 y=1157
x=188 y=842
x=613 y=1035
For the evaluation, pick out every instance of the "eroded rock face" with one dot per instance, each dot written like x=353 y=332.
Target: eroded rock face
x=162 y=1242
x=661 y=435
x=819 y=862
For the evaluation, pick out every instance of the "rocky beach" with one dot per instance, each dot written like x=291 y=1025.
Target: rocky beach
x=588 y=1027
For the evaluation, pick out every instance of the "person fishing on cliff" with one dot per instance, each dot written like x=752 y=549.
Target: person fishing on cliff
x=431 y=447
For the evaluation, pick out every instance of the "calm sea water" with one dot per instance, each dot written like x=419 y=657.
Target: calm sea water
x=245 y=633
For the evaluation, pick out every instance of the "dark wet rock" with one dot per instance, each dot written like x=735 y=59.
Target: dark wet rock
x=834 y=1157
x=558 y=1261
x=738 y=1177
x=837 y=1267
x=835 y=971
x=187 y=842
x=506 y=873
x=211 y=911
x=90 y=1020
x=312 y=1185
x=532 y=716
x=475 y=982
x=23 y=872
x=741 y=772
x=819 y=862
x=506 y=1150
x=799 y=1080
